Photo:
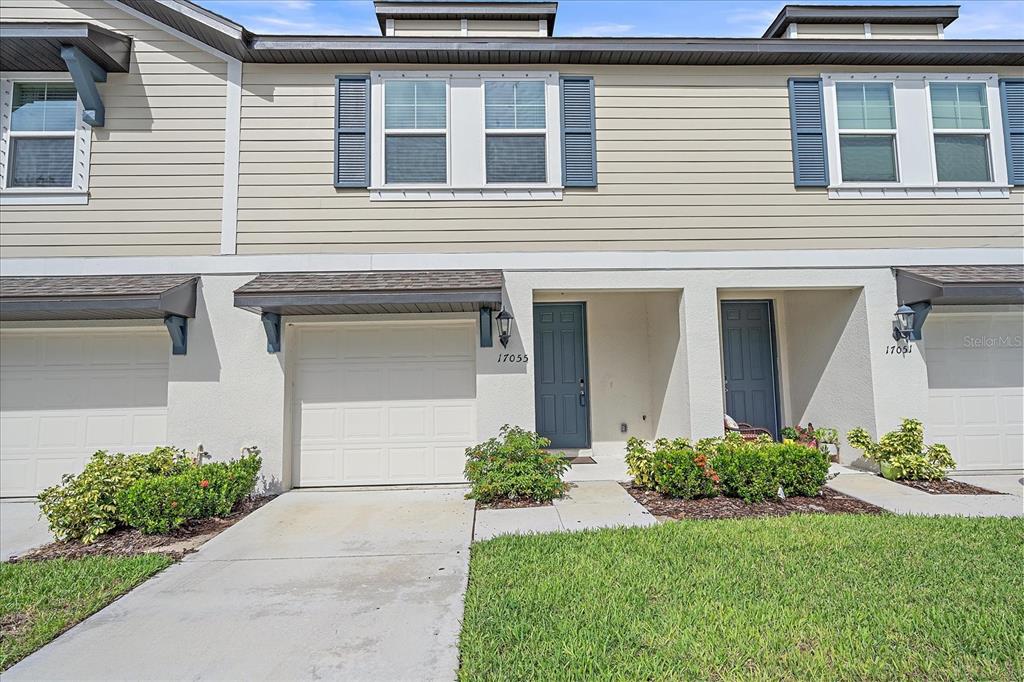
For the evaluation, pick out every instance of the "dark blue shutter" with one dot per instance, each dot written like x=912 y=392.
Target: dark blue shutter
x=807 y=122
x=352 y=131
x=579 y=146
x=1011 y=92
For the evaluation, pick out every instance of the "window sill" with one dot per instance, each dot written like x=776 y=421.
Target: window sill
x=43 y=197
x=479 y=194
x=894 y=192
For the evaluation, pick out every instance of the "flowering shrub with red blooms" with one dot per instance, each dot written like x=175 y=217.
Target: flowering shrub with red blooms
x=161 y=504
x=683 y=472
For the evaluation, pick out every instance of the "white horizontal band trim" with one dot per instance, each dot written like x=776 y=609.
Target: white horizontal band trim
x=465 y=194
x=919 y=193
x=43 y=197
x=524 y=261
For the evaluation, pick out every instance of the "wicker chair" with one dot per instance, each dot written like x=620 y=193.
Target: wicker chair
x=747 y=431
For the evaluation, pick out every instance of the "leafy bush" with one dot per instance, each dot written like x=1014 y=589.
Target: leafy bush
x=679 y=471
x=514 y=465
x=84 y=507
x=160 y=504
x=789 y=433
x=827 y=435
x=749 y=472
x=904 y=452
x=802 y=470
x=640 y=457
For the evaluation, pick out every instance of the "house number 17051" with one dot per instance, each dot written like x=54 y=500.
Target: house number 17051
x=513 y=357
x=899 y=350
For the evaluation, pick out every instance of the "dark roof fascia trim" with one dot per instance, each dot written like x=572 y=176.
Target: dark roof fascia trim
x=858 y=14
x=915 y=288
x=390 y=49
x=206 y=17
x=272 y=302
x=178 y=300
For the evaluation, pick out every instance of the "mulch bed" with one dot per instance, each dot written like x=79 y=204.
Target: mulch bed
x=521 y=503
x=130 y=541
x=829 y=502
x=948 y=487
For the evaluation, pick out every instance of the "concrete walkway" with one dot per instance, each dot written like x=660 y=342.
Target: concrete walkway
x=21 y=529
x=901 y=499
x=589 y=504
x=353 y=585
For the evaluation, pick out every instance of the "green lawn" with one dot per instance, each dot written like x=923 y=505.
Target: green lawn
x=41 y=599
x=800 y=597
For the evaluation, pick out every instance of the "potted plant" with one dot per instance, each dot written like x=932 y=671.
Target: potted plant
x=828 y=441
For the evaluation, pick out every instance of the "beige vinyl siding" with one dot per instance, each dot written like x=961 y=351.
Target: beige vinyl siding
x=493 y=27
x=688 y=158
x=829 y=31
x=427 y=27
x=905 y=31
x=157 y=166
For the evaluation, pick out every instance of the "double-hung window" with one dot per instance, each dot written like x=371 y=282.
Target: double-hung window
x=41 y=135
x=914 y=135
x=867 y=132
x=415 y=131
x=515 y=125
x=465 y=135
x=960 y=132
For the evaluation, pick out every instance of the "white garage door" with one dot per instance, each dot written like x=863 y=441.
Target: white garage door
x=976 y=386
x=66 y=394
x=385 y=403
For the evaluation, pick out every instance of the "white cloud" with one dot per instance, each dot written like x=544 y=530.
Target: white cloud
x=602 y=30
x=751 y=20
x=989 y=20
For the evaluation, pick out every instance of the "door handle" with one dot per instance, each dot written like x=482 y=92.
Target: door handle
x=583 y=394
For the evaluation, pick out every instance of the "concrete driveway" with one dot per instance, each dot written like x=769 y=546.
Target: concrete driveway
x=21 y=529
x=354 y=585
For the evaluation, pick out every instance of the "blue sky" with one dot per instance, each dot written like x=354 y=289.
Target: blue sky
x=703 y=18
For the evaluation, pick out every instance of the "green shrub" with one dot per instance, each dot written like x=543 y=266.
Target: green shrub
x=514 y=465
x=679 y=471
x=84 y=507
x=160 y=504
x=750 y=472
x=802 y=469
x=640 y=456
x=904 y=452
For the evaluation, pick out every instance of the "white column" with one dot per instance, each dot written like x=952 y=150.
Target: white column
x=700 y=329
x=674 y=416
x=900 y=381
x=504 y=389
x=228 y=392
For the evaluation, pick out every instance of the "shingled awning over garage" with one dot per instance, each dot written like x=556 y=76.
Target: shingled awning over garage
x=97 y=297
x=331 y=293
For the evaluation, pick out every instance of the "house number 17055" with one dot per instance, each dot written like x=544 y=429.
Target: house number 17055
x=513 y=357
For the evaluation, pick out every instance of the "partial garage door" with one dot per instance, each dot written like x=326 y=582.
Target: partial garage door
x=384 y=403
x=66 y=394
x=976 y=386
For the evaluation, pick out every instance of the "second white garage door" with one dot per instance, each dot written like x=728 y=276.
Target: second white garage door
x=381 y=403
x=64 y=394
x=975 y=365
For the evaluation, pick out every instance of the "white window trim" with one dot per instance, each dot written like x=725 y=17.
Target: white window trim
x=894 y=132
x=414 y=132
x=78 y=193
x=915 y=153
x=987 y=132
x=466 y=139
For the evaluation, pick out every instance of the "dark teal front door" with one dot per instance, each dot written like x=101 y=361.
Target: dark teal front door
x=560 y=374
x=751 y=393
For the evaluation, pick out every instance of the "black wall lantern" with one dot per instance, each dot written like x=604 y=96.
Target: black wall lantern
x=504 y=327
x=903 y=325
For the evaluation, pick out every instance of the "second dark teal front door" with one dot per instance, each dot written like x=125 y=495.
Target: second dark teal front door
x=562 y=393
x=749 y=354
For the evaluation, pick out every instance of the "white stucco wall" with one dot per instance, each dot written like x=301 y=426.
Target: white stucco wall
x=228 y=392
